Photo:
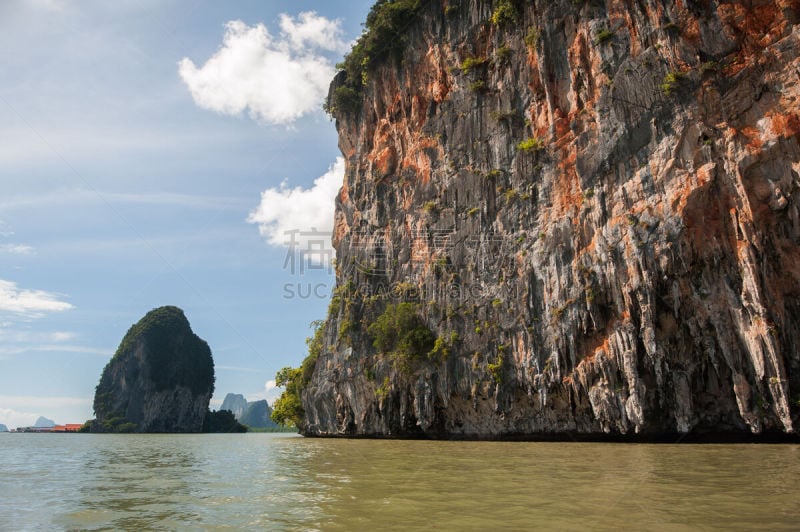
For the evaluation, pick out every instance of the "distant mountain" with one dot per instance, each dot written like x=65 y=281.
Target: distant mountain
x=235 y=403
x=3 y=428
x=255 y=414
x=44 y=423
x=258 y=415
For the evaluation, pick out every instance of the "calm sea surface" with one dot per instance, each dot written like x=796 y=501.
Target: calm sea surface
x=284 y=482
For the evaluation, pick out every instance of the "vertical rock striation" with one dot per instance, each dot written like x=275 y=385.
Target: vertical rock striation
x=594 y=206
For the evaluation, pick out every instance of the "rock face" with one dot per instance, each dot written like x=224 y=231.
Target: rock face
x=593 y=205
x=160 y=379
x=235 y=403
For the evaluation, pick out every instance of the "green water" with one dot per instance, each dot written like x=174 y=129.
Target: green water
x=284 y=482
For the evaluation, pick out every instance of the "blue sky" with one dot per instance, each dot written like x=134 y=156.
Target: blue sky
x=156 y=153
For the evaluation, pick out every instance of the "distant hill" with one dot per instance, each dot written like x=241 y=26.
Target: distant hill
x=258 y=415
x=44 y=423
x=235 y=403
x=254 y=414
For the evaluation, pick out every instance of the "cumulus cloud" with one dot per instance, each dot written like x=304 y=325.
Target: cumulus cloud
x=31 y=303
x=276 y=79
x=310 y=30
x=271 y=392
x=285 y=214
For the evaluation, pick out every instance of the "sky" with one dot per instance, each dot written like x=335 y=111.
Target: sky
x=162 y=152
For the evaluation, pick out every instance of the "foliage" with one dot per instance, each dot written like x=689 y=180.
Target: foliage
x=709 y=66
x=532 y=38
x=672 y=82
x=344 y=99
x=603 y=36
x=384 y=389
x=443 y=346
x=314 y=343
x=430 y=207
x=505 y=13
x=400 y=331
x=477 y=86
x=117 y=424
x=176 y=356
x=288 y=408
x=222 y=421
x=384 y=38
x=502 y=54
x=531 y=144
x=496 y=369
x=471 y=63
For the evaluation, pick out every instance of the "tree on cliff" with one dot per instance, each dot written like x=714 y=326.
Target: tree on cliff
x=288 y=408
x=160 y=379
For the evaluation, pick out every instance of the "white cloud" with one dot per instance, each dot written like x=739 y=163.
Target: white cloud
x=14 y=341
x=13 y=419
x=285 y=210
x=270 y=393
x=312 y=30
x=9 y=335
x=6 y=351
x=31 y=303
x=277 y=80
x=15 y=410
x=16 y=249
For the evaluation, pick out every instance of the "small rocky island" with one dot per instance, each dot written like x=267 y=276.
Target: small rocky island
x=160 y=379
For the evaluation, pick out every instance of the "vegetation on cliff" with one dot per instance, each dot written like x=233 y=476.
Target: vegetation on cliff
x=222 y=421
x=159 y=380
x=597 y=204
x=401 y=333
x=384 y=37
x=288 y=408
x=175 y=358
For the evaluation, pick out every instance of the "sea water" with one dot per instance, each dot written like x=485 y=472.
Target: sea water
x=286 y=482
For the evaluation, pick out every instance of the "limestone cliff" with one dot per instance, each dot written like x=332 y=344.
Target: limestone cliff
x=160 y=379
x=235 y=403
x=592 y=206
